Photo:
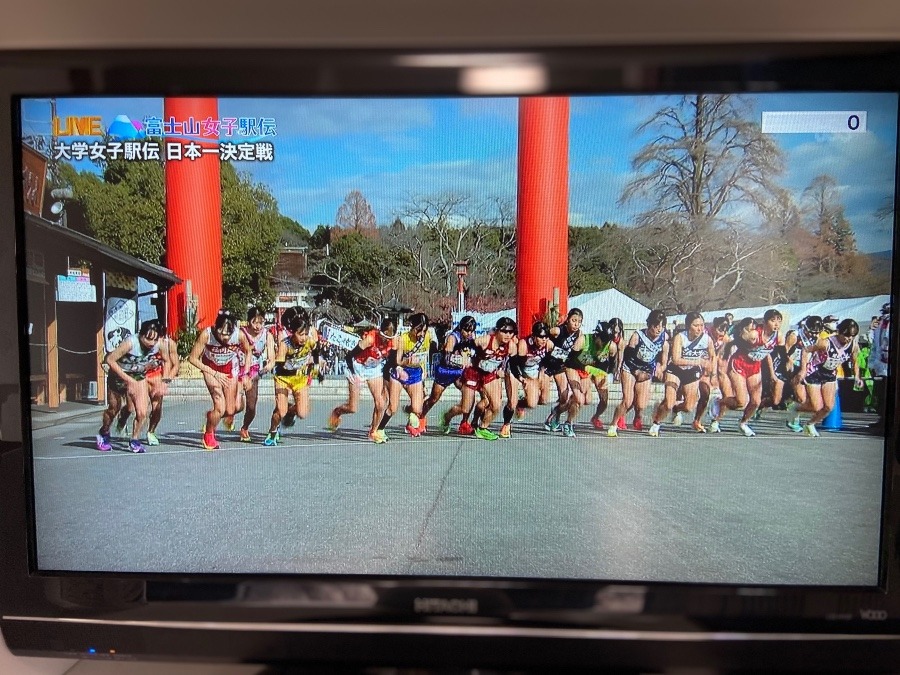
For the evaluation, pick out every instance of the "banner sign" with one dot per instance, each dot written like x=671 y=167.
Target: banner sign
x=336 y=336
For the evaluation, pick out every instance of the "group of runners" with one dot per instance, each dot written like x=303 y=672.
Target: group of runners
x=704 y=368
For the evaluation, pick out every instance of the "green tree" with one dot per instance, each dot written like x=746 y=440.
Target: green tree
x=124 y=207
x=251 y=238
x=293 y=233
x=359 y=274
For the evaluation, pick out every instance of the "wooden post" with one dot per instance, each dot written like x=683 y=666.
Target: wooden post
x=53 y=383
x=101 y=355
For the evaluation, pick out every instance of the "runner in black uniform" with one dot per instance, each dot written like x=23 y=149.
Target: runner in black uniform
x=561 y=364
x=691 y=358
x=524 y=370
x=128 y=366
x=806 y=337
x=818 y=371
x=645 y=356
x=455 y=355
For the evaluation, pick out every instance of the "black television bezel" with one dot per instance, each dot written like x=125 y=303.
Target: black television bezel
x=546 y=622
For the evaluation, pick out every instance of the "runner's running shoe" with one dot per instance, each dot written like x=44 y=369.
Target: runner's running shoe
x=637 y=424
x=678 y=420
x=103 y=444
x=714 y=427
x=714 y=408
x=810 y=430
x=613 y=431
x=210 y=442
x=245 y=436
x=412 y=431
x=597 y=423
x=505 y=431
x=135 y=446
x=520 y=413
x=465 y=429
x=271 y=439
x=334 y=421
x=654 y=430
x=289 y=420
x=486 y=434
x=228 y=421
x=152 y=439
x=621 y=425
x=551 y=423
x=698 y=427
x=445 y=424
x=794 y=425
x=746 y=430
x=568 y=430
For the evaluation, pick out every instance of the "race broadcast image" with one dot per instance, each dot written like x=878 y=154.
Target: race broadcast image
x=624 y=338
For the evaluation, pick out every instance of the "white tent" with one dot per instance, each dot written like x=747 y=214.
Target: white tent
x=860 y=310
x=598 y=306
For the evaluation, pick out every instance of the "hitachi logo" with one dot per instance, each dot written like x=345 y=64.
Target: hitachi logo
x=445 y=606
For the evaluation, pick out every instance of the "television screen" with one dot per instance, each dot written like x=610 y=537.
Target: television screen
x=637 y=338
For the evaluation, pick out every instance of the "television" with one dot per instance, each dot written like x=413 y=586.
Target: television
x=645 y=483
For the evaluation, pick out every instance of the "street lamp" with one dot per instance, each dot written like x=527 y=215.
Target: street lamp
x=462 y=269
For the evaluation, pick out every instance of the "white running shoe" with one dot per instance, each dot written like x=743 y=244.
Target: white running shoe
x=714 y=427
x=613 y=432
x=810 y=430
x=746 y=430
x=654 y=430
x=678 y=420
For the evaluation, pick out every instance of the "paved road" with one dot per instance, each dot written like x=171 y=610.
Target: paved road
x=779 y=508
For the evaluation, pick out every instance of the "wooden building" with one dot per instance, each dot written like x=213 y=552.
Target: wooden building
x=83 y=297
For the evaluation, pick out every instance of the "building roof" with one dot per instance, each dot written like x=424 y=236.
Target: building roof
x=43 y=232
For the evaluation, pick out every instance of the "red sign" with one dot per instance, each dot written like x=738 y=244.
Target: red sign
x=34 y=175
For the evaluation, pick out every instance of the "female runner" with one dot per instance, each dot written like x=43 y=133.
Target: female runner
x=562 y=365
x=645 y=356
x=692 y=356
x=818 y=371
x=744 y=356
x=485 y=375
x=295 y=366
x=128 y=366
x=215 y=353
x=456 y=354
x=262 y=346
x=524 y=372
x=366 y=363
x=409 y=373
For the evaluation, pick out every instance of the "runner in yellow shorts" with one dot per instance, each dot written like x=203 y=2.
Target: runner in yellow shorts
x=295 y=366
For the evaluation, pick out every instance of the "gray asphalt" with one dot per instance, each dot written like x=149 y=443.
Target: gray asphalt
x=780 y=508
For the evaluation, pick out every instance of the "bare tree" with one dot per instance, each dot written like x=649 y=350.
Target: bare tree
x=356 y=214
x=707 y=158
x=448 y=227
x=706 y=181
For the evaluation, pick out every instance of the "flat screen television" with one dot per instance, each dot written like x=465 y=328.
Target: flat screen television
x=542 y=359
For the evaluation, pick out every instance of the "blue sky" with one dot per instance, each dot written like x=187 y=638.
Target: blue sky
x=393 y=149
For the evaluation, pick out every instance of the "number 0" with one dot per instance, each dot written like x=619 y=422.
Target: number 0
x=853 y=122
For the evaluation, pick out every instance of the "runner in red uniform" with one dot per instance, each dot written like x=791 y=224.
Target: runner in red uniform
x=367 y=363
x=486 y=375
x=215 y=353
x=744 y=356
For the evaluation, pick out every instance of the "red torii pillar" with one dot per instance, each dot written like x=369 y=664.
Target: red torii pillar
x=194 y=218
x=542 y=241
